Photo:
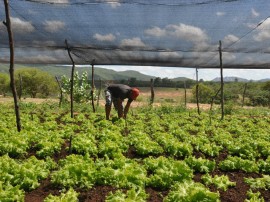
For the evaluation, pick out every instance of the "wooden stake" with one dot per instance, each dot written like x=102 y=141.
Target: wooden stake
x=61 y=91
x=244 y=94
x=99 y=91
x=212 y=100
x=197 y=92
x=152 y=92
x=185 y=86
x=221 y=81
x=7 y=23
x=71 y=80
x=93 y=87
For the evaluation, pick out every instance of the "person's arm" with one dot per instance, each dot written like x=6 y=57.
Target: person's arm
x=127 y=108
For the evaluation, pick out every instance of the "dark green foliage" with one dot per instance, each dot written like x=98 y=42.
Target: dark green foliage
x=36 y=82
x=4 y=83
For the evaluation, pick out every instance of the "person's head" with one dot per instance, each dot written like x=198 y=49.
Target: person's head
x=134 y=93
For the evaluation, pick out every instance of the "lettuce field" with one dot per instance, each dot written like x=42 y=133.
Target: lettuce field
x=166 y=153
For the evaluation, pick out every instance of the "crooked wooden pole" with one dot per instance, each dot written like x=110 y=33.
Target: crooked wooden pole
x=61 y=91
x=7 y=23
x=71 y=80
x=185 y=86
x=244 y=95
x=212 y=100
x=211 y=105
x=152 y=92
x=93 y=87
x=99 y=91
x=197 y=92
x=221 y=81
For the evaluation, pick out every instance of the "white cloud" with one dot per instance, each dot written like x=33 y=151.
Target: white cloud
x=181 y=31
x=53 y=26
x=156 y=32
x=187 y=32
x=220 y=13
x=43 y=56
x=228 y=57
x=170 y=54
x=54 y=1
x=263 y=31
x=32 y=55
x=134 y=42
x=20 y=26
x=43 y=43
x=112 y=3
x=254 y=13
x=229 y=39
x=251 y=25
x=108 y=37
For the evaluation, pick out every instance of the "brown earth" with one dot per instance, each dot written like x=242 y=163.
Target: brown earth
x=102 y=103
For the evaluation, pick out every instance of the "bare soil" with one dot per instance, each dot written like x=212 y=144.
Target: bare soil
x=102 y=103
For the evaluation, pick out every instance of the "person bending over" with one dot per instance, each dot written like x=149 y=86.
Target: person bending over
x=116 y=94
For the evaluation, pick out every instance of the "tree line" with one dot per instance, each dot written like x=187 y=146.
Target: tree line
x=32 y=82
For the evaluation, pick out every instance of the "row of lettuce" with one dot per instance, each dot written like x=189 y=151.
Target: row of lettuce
x=167 y=147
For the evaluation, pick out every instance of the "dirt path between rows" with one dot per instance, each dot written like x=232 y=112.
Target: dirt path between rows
x=134 y=104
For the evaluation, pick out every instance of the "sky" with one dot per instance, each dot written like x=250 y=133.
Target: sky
x=205 y=74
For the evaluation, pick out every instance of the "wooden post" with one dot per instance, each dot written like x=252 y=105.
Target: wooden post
x=185 y=86
x=99 y=91
x=212 y=100
x=244 y=95
x=61 y=91
x=211 y=106
x=221 y=81
x=152 y=92
x=93 y=87
x=7 y=23
x=71 y=80
x=197 y=92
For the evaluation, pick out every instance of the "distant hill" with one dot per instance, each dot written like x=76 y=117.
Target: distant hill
x=135 y=74
x=181 y=79
x=264 y=80
x=100 y=73
x=238 y=79
x=230 y=79
x=109 y=75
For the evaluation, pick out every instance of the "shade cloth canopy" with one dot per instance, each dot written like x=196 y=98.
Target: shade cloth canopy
x=177 y=33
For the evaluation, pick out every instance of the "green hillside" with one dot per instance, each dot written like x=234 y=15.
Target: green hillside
x=100 y=73
x=181 y=79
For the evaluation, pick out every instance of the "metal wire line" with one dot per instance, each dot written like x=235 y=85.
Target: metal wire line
x=259 y=24
x=130 y=2
x=233 y=43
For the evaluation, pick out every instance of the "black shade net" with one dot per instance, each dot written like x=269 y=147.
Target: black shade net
x=176 y=33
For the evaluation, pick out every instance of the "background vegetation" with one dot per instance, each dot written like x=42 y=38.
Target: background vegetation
x=41 y=83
